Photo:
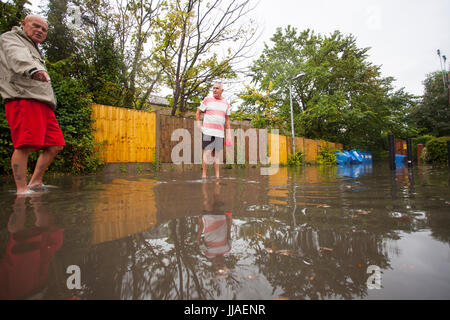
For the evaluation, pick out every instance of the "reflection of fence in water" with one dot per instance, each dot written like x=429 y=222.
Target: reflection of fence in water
x=124 y=208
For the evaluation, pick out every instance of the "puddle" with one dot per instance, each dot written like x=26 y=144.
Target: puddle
x=310 y=233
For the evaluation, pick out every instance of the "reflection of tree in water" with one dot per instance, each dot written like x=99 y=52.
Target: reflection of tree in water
x=433 y=190
x=140 y=268
x=326 y=254
x=319 y=264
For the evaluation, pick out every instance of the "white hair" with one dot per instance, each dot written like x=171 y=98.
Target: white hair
x=35 y=16
x=219 y=82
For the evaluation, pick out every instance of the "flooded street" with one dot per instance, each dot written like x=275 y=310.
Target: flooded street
x=359 y=232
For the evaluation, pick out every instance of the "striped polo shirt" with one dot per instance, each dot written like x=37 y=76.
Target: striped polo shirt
x=214 y=119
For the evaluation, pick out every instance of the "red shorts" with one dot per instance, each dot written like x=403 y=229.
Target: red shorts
x=33 y=123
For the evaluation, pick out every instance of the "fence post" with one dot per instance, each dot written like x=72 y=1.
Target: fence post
x=409 y=150
x=391 y=151
x=419 y=152
x=157 y=137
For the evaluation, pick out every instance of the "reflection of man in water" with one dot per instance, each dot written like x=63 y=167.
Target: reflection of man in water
x=29 y=251
x=214 y=234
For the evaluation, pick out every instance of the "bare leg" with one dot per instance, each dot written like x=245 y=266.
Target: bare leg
x=43 y=162
x=205 y=161
x=217 y=167
x=42 y=216
x=17 y=219
x=19 y=162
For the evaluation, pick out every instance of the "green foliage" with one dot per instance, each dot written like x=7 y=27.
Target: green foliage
x=341 y=96
x=193 y=45
x=156 y=162
x=296 y=159
x=260 y=106
x=60 y=43
x=74 y=117
x=419 y=140
x=11 y=14
x=326 y=156
x=103 y=75
x=6 y=146
x=436 y=150
x=432 y=113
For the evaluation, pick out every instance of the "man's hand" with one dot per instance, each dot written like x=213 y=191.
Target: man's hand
x=41 y=76
x=197 y=119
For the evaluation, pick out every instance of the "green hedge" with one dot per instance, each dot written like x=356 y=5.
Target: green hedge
x=419 y=140
x=435 y=151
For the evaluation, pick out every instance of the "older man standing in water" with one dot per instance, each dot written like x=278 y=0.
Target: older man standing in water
x=216 y=119
x=29 y=101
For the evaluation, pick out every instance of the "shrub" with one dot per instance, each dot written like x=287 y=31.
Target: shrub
x=326 y=156
x=419 y=140
x=296 y=159
x=6 y=146
x=436 y=150
x=74 y=117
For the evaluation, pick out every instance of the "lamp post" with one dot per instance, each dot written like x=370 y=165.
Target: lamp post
x=292 y=110
x=443 y=75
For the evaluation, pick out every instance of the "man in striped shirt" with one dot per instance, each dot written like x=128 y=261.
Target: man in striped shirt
x=215 y=120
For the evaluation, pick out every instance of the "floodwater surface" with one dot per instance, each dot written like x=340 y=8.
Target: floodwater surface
x=359 y=232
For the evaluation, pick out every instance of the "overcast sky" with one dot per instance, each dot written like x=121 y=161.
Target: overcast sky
x=403 y=35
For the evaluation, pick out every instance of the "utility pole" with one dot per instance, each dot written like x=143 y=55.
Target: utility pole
x=301 y=74
x=442 y=69
x=444 y=74
x=446 y=78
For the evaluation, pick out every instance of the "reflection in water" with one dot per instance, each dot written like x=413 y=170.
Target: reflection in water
x=309 y=233
x=354 y=170
x=214 y=232
x=124 y=208
x=29 y=251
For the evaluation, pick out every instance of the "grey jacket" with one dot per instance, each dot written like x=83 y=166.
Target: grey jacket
x=20 y=59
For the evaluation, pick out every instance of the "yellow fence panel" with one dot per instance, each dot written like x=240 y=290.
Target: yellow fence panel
x=321 y=144
x=128 y=135
x=310 y=150
x=281 y=142
x=299 y=144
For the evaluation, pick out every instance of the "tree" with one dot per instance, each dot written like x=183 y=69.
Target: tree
x=106 y=47
x=11 y=14
x=341 y=96
x=191 y=35
x=432 y=114
x=259 y=107
x=60 y=43
x=135 y=23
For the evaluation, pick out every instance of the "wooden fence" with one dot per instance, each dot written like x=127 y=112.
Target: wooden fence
x=127 y=135
x=130 y=136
